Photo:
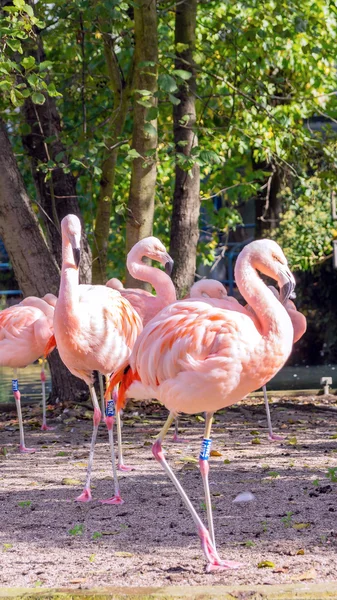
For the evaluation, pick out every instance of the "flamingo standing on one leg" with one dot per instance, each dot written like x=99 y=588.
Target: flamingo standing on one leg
x=24 y=332
x=95 y=328
x=195 y=357
x=146 y=304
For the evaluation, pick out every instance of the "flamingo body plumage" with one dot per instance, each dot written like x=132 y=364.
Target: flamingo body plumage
x=195 y=357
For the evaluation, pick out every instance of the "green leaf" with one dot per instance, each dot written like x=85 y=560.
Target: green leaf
x=145 y=103
x=167 y=83
x=28 y=62
x=150 y=129
x=152 y=113
x=174 y=100
x=20 y=4
x=28 y=10
x=59 y=156
x=182 y=74
x=133 y=153
x=38 y=98
x=52 y=91
x=144 y=92
x=180 y=47
x=46 y=64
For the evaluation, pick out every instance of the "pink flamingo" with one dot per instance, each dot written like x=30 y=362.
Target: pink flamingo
x=46 y=305
x=214 y=289
x=24 y=331
x=95 y=328
x=146 y=304
x=196 y=357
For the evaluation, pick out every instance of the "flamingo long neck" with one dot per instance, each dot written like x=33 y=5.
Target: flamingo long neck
x=273 y=318
x=160 y=281
x=69 y=294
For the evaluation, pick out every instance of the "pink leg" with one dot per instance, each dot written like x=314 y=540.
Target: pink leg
x=214 y=562
x=121 y=465
x=116 y=499
x=271 y=435
x=44 y=426
x=17 y=396
x=86 y=494
x=176 y=438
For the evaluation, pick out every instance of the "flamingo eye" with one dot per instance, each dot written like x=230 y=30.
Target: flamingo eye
x=277 y=259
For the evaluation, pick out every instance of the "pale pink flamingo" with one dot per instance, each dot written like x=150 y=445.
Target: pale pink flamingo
x=195 y=357
x=46 y=305
x=24 y=331
x=146 y=304
x=299 y=324
x=95 y=328
x=214 y=289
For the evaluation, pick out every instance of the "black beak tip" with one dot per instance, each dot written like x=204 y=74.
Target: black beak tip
x=77 y=256
x=169 y=267
x=287 y=291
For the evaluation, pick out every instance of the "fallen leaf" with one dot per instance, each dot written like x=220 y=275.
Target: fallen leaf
x=265 y=564
x=256 y=441
x=79 y=580
x=300 y=551
x=281 y=570
x=300 y=526
x=70 y=481
x=227 y=461
x=311 y=574
x=215 y=453
x=110 y=533
x=292 y=441
x=200 y=419
x=124 y=554
x=188 y=459
x=81 y=464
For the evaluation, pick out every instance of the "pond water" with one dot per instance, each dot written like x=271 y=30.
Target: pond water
x=289 y=378
x=29 y=384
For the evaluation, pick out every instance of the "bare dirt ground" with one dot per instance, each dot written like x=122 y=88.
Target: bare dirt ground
x=48 y=540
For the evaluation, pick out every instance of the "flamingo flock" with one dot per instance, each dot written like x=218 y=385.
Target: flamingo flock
x=200 y=354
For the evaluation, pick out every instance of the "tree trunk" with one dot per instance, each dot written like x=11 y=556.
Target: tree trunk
x=144 y=139
x=121 y=89
x=57 y=195
x=267 y=201
x=186 y=198
x=34 y=266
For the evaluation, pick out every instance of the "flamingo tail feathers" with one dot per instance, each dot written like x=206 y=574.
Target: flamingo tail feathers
x=51 y=344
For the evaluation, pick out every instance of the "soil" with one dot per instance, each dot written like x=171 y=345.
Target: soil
x=287 y=533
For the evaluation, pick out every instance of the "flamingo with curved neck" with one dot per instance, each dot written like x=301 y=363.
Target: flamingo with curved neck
x=146 y=304
x=196 y=357
x=95 y=328
x=214 y=289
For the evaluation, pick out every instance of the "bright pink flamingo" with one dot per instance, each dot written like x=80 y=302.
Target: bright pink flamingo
x=195 y=357
x=24 y=331
x=95 y=328
x=146 y=304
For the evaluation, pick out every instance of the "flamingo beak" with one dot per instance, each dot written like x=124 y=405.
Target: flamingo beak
x=168 y=265
x=287 y=285
x=77 y=256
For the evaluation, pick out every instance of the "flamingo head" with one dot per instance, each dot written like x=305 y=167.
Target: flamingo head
x=268 y=258
x=208 y=288
x=71 y=230
x=152 y=248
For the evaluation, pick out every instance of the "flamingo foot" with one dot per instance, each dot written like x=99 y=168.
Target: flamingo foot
x=273 y=437
x=125 y=468
x=45 y=427
x=114 y=500
x=214 y=561
x=179 y=440
x=24 y=450
x=85 y=496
